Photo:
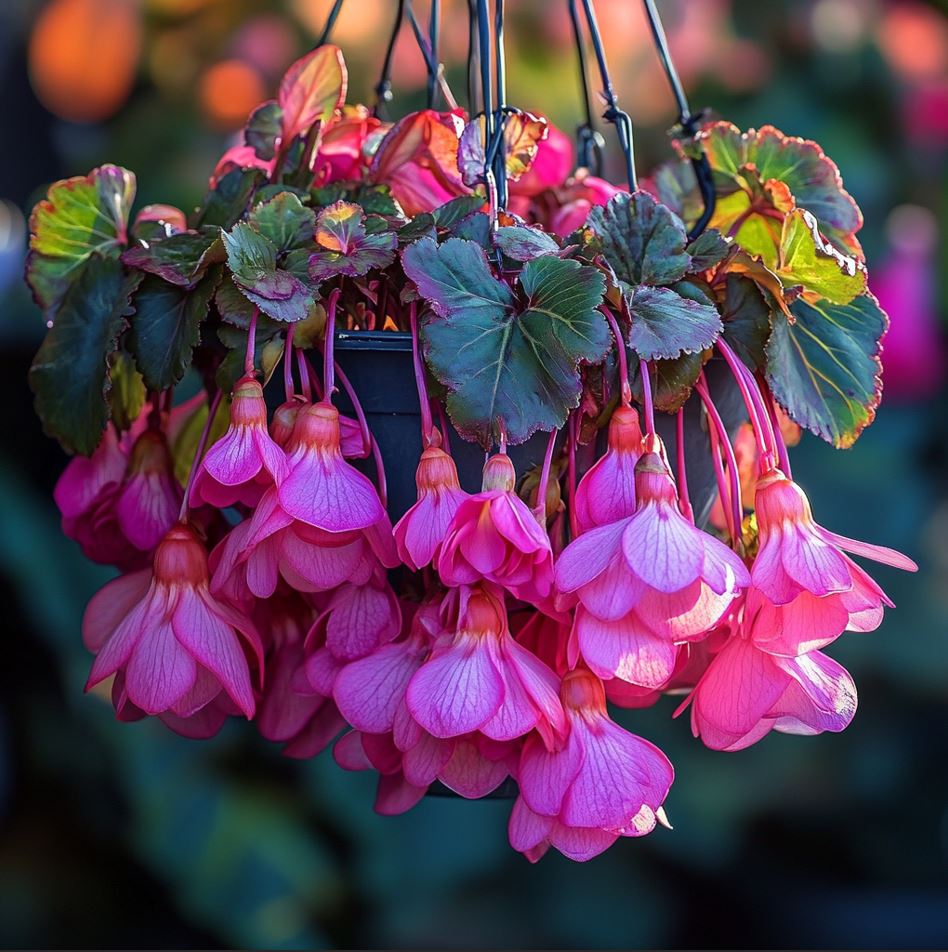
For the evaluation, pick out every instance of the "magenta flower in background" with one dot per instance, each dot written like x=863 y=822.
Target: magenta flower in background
x=806 y=590
x=494 y=537
x=177 y=646
x=565 y=799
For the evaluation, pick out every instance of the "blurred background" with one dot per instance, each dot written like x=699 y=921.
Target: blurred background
x=128 y=836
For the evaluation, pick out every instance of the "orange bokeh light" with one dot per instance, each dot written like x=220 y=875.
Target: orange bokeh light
x=229 y=91
x=83 y=55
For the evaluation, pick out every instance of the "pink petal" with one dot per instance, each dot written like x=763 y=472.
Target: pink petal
x=527 y=831
x=663 y=548
x=614 y=592
x=262 y=567
x=544 y=776
x=360 y=619
x=470 y=774
x=587 y=557
x=769 y=575
x=805 y=624
x=160 y=671
x=878 y=553
x=816 y=564
x=540 y=684
x=317 y=735
x=321 y=567
x=396 y=795
x=514 y=521
x=349 y=753
x=368 y=691
x=116 y=651
x=580 y=844
x=147 y=508
x=457 y=691
x=625 y=649
x=214 y=643
x=607 y=492
x=426 y=759
x=110 y=605
x=822 y=696
x=620 y=774
x=234 y=458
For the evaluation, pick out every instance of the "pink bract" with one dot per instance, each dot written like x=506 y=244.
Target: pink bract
x=147 y=503
x=564 y=801
x=177 y=646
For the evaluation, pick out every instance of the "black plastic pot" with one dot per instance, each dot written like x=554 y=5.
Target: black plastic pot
x=379 y=366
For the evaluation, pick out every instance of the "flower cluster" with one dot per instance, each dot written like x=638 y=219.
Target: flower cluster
x=478 y=642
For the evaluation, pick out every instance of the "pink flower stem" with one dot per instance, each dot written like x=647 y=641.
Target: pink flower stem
x=445 y=438
x=539 y=510
x=305 y=380
x=755 y=406
x=571 y=436
x=380 y=477
x=423 y=401
x=719 y=435
x=625 y=388
x=783 y=456
x=249 y=357
x=683 y=498
x=647 y=397
x=288 y=363
x=329 y=383
x=199 y=453
x=367 y=438
x=724 y=489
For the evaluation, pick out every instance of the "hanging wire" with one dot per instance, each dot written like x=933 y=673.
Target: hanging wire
x=589 y=142
x=474 y=106
x=330 y=23
x=383 y=89
x=487 y=96
x=500 y=115
x=618 y=117
x=434 y=27
x=430 y=62
x=687 y=120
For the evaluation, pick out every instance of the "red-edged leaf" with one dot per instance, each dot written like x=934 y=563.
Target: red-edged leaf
x=346 y=247
x=523 y=133
x=312 y=89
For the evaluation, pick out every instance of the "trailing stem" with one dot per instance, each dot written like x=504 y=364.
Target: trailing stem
x=288 y=364
x=648 y=405
x=249 y=357
x=539 y=510
x=683 y=498
x=199 y=452
x=329 y=382
x=720 y=442
x=759 y=418
x=426 y=423
x=624 y=386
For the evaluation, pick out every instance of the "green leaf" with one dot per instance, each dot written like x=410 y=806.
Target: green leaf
x=746 y=320
x=508 y=371
x=707 y=250
x=167 y=327
x=181 y=259
x=70 y=373
x=346 y=247
x=672 y=381
x=284 y=221
x=523 y=243
x=252 y=259
x=451 y=212
x=79 y=217
x=127 y=396
x=666 y=325
x=807 y=260
x=268 y=348
x=263 y=128
x=642 y=241
x=226 y=203
x=824 y=368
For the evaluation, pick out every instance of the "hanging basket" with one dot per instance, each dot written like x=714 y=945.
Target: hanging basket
x=573 y=399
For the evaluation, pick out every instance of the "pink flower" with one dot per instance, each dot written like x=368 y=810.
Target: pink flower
x=418 y=160
x=745 y=693
x=550 y=168
x=478 y=678
x=342 y=155
x=602 y=784
x=495 y=537
x=806 y=591
x=607 y=492
x=245 y=460
x=647 y=582
x=239 y=157
x=577 y=199
x=420 y=532
x=176 y=645
x=148 y=502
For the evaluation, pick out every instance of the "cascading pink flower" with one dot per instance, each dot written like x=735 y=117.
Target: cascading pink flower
x=147 y=503
x=550 y=168
x=806 y=591
x=342 y=149
x=577 y=199
x=606 y=493
x=494 y=536
x=420 y=532
x=478 y=678
x=291 y=712
x=745 y=693
x=240 y=156
x=603 y=783
x=322 y=526
x=245 y=460
x=176 y=646
x=647 y=582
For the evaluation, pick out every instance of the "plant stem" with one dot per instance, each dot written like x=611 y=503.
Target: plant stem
x=250 y=356
x=380 y=478
x=288 y=363
x=571 y=436
x=647 y=397
x=625 y=388
x=783 y=456
x=305 y=381
x=539 y=510
x=755 y=408
x=719 y=436
x=329 y=383
x=683 y=498
x=423 y=401
x=199 y=453
x=367 y=437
